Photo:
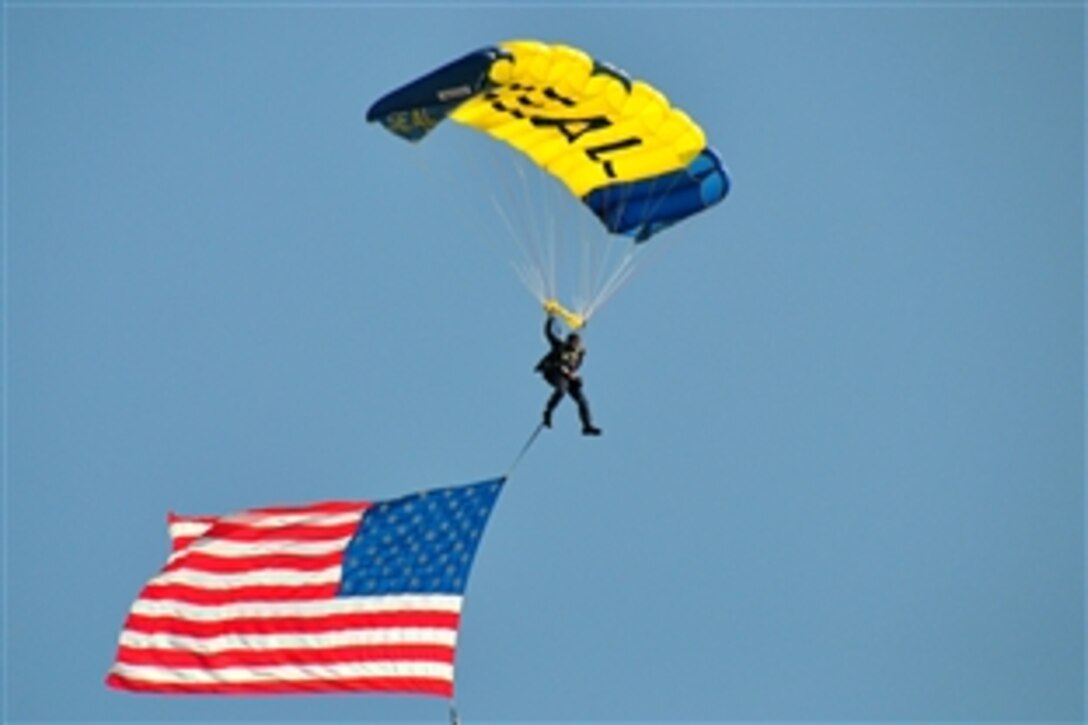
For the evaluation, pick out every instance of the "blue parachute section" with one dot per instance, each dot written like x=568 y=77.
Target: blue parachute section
x=412 y=110
x=640 y=209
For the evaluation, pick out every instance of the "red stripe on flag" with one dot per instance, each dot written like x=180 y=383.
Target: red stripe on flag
x=210 y=563
x=329 y=507
x=233 y=531
x=325 y=507
x=236 y=595
x=285 y=657
x=249 y=533
x=408 y=685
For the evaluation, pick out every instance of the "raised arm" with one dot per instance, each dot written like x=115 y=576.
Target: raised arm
x=549 y=332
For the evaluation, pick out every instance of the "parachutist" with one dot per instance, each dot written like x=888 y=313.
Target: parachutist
x=560 y=368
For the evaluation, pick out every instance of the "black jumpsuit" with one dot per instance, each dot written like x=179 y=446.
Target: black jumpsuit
x=558 y=367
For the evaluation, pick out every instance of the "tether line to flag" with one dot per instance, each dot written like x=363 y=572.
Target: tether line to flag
x=524 y=449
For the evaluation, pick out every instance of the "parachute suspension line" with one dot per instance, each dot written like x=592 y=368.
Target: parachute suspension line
x=440 y=177
x=659 y=248
x=601 y=286
x=651 y=211
x=544 y=223
x=617 y=279
x=524 y=449
x=598 y=269
x=604 y=247
x=605 y=284
x=552 y=241
x=559 y=202
x=620 y=274
x=553 y=200
x=584 y=246
x=521 y=203
x=627 y=267
x=487 y=167
x=534 y=229
x=597 y=249
x=595 y=253
x=527 y=270
x=586 y=268
x=535 y=239
x=521 y=238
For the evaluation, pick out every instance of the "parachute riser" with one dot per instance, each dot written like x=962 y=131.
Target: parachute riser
x=573 y=320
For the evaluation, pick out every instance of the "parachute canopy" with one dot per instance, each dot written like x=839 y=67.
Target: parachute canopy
x=617 y=144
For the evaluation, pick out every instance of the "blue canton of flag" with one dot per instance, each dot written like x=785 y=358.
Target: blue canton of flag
x=422 y=543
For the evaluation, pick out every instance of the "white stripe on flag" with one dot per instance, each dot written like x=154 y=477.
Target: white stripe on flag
x=305 y=609
x=188 y=529
x=260 y=577
x=275 y=521
x=242 y=549
x=254 y=642
x=288 y=673
x=193 y=529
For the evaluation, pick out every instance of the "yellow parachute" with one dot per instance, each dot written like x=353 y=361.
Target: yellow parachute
x=616 y=144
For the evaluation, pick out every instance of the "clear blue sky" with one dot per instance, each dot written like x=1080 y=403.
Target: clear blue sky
x=842 y=475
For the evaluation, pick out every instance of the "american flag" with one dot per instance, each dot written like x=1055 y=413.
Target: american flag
x=327 y=597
